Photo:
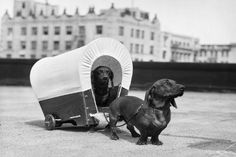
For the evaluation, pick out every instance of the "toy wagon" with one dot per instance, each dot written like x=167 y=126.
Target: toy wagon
x=62 y=84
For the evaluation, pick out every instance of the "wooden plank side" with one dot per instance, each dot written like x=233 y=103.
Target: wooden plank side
x=66 y=107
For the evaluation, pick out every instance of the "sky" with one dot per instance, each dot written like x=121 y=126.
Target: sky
x=212 y=21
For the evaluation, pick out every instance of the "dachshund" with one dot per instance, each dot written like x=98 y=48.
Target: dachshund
x=150 y=116
x=101 y=77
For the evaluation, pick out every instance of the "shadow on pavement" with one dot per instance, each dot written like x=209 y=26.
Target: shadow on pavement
x=124 y=135
x=64 y=127
x=38 y=123
x=210 y=143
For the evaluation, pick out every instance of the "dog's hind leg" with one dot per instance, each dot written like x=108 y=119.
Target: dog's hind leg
x=143 y=138
x=132 y=130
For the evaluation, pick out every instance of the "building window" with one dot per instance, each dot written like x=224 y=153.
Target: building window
x=68 y=30
x=9 y=31
x=152 y=35
x=8 y=55
x=142 y=47
x=23 y=5
x=33 y=56
x=215 y=53
x=131 y=48
x=33 y=45
x=200 y=54
x=23 y=30
x=9 y=45
x=43 y=55
x=164 y=54
x=99 y=29
x=151 y=49
x=68 y=45
x=23 y=45
x=56 y=45
x=82 y=30
x=134 y=14
x=22 y=56
x=211 y=53
x=80 y=43
x=45 y=30
x=121 y=31
x=137 y=33
x=226 y=54
x=222 y=53
x=137 y=48
x=34 y=31
x=45 y=45
x=132 y=32
x=143 y=34
x=57 y=30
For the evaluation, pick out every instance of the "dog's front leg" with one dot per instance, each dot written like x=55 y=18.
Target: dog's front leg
x=113 y=121
x=155 y=139
x=143 y=138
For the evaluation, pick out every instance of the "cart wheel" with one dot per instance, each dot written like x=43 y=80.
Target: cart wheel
x=59 y=124
x=73 y=123
x=50 y=122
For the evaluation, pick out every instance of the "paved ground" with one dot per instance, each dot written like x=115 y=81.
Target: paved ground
x=204 y=125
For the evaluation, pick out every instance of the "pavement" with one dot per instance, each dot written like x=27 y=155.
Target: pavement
x=204 y=125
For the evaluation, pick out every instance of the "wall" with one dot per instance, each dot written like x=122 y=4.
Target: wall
x=194 y=76
x=15 y=72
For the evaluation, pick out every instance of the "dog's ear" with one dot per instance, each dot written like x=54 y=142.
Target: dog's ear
x=92 y=77
x=149 y=94
x=111 y=76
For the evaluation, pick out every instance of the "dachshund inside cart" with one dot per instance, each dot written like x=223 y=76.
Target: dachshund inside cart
x=101 y=77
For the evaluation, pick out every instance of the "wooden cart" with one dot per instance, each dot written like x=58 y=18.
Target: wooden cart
x=62 y=84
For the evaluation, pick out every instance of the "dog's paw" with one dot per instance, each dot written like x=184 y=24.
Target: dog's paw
x=135 y=135
x=140 y=142
x=114 y=137
x=157 y=143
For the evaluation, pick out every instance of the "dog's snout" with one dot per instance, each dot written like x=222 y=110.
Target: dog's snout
x=182 y=87
x=105 y=77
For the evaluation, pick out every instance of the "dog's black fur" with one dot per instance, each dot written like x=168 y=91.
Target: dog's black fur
x=150 y=116
x=101 y=77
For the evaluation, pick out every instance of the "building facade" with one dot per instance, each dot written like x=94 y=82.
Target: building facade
x=216 y=54
x=178 y=48
x=37 y=30
x=232 y=53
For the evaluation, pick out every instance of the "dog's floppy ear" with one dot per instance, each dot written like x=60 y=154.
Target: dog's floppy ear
x=111 y=76
x=149 y=94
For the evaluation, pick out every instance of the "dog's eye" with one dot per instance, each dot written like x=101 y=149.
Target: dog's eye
x=168 y=82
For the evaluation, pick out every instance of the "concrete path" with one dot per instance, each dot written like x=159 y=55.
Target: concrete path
x=204 y=125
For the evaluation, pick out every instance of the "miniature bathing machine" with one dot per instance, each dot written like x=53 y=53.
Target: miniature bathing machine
x=63 y=86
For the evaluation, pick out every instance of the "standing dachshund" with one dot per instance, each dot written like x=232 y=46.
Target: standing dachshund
x=101 y=77
x=150 y=116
